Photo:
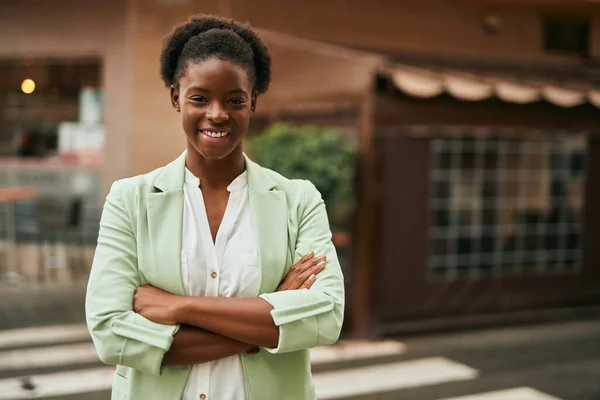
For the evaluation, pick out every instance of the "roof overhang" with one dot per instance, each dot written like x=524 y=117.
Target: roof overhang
x=429 y=82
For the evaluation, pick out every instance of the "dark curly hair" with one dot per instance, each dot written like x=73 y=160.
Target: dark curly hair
x=206 y=36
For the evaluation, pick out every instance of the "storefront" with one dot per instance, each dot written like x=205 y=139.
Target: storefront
x=472 y=189
x=51 y=145
x=484 y=194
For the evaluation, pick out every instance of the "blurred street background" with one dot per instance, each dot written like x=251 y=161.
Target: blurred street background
x=454 y=143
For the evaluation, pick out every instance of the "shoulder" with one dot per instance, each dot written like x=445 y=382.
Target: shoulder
x=133 y=185
x=297 y=191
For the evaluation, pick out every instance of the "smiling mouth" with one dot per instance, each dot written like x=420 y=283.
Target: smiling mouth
x=215 y=134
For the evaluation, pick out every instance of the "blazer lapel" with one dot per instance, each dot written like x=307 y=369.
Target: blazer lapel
x=165 y=217
x=269 y=215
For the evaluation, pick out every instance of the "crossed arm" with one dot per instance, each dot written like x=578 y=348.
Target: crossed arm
x=218 y=327
x=146 y=335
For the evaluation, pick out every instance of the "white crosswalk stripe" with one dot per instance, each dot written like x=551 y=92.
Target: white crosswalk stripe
x=523 y=393
x=355 y=350
x=52 y=356
x=388 y=377
x=43 y=335
x=69 y=346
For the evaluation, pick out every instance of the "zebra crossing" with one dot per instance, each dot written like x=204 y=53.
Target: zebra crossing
x=55 y=361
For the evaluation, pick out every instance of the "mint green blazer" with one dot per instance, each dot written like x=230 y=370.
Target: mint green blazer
x=140 y=242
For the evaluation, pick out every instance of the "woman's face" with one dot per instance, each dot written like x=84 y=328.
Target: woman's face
x=215 y=100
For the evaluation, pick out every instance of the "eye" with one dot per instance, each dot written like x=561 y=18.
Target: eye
x=237 y=102
x=198 y=99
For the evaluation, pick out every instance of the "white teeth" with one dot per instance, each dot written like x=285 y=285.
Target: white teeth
x=215 y=134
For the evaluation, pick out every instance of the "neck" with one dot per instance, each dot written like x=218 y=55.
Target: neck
x=215 y=174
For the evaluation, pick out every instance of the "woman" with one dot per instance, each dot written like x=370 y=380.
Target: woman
x=191 y=293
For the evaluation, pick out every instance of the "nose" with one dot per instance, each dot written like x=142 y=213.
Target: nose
x=217 y=113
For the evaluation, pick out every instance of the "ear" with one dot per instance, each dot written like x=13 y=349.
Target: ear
x=253 y=102
x=174 y=92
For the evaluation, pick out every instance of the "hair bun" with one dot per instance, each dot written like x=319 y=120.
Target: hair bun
x=201 y=26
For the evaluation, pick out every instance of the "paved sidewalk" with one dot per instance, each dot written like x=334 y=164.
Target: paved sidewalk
x=28 y=304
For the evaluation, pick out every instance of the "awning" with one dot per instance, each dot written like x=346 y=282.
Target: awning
x=422 y=82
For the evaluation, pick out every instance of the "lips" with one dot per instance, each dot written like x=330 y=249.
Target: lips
x=215 y=133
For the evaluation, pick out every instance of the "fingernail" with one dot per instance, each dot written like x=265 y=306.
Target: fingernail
x=313 y=277
x=311 y=253
x=321 y=264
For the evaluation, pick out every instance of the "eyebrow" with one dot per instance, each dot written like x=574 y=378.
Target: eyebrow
x=234 y=91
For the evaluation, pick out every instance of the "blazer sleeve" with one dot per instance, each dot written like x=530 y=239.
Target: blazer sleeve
x=120 y=335
x=311 y=317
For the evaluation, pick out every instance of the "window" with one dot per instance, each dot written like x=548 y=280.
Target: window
x=503 y=206
x=567 y=36
x=47 y=104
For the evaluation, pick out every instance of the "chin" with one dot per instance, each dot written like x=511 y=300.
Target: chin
x=213 y=156
x=213 y=153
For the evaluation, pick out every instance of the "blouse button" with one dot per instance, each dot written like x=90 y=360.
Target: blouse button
x=213 y=275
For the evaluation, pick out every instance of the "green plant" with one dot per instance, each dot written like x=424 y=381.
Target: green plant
x=321 y=155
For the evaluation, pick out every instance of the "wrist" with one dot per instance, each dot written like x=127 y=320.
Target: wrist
x=179 y=310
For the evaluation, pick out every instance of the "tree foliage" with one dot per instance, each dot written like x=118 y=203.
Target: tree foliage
x=321 y=155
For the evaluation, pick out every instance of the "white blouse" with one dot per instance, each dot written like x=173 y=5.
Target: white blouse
x=229 y=267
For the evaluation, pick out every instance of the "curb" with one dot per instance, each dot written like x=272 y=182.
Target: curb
x=485 y=321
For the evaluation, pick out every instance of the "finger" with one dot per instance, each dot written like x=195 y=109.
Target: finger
x=309 y=282
x=317 y=260
x=314 y=270
x=310 y=263
x=319 y=267
x=300 y=272
x=304 y=259
x=308 y=256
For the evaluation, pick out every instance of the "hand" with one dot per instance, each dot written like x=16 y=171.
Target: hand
x=303 y=274
x=156 y=304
